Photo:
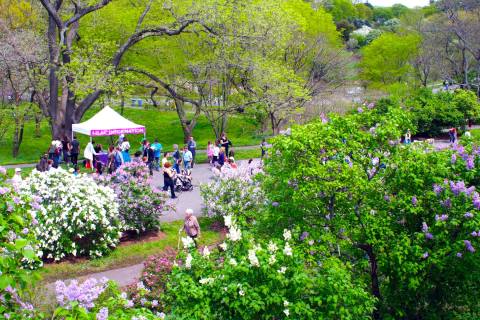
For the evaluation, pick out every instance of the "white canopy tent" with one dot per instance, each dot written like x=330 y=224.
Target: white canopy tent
x=108 y=122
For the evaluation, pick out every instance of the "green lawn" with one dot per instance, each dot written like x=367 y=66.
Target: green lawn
x=163 y=125
x=126 y=255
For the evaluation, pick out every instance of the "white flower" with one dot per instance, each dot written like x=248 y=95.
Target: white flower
x=253 y=258
x=287 y=235
x=287 y=312
x=272 y=247
x=228 y=221
x=240 y=292
x=285 y=303
x=287 y=250
x=206 y=252
x=206 y=280
x=188 y=261
x=272 y=259
x=232 y=262
x=187 y=242
x=223 y=246
x=234 y=234
x=282 y=270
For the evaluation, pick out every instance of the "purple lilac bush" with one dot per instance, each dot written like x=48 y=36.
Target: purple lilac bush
x=140 y=205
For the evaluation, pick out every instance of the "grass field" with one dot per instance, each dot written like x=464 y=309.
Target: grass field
x=163 y=125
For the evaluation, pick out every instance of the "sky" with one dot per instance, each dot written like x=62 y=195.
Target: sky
x=408 y=3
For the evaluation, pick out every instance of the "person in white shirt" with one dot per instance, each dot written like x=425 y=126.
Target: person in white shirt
x=216 y=151
x=125 y=146
x=89 y=152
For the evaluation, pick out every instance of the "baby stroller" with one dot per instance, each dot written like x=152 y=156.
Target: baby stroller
x=183 y=181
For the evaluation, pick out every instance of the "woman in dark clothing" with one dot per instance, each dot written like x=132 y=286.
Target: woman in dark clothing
x=168 y=175
x=225 y=143
x=111 y=159
x=65 y=148
x=221 y=157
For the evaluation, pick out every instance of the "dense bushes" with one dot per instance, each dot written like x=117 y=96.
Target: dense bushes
x=75 y=215
x=248 y=278
x=384 y=208
x=18 y=248
x=233 y=191
x=436 y=111
x=140 y=206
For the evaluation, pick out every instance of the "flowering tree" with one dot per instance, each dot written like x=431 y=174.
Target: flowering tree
x=140 y=205
x=17 y=249
x=372 y=203
x=247 y=278
x=233 y=191
x=75 y=215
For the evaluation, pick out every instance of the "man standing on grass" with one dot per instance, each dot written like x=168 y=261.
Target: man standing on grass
x=192 y=147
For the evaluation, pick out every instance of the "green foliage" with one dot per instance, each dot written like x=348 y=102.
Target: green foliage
x=18 y=247
x=366 y=198
x=386 y=60
x=435 y=112
x=254 y=279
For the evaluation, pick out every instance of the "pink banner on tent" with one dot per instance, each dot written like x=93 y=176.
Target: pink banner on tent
x=114 y=132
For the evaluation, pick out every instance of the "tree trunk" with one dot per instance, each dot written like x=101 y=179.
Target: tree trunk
x=375 y=286
x=187 y=125
x=18 y=134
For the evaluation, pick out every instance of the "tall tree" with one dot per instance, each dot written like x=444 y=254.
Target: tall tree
x=65 y=104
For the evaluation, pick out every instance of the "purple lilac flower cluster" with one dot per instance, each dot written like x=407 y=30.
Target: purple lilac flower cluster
x=469 y=159
x=85 y=293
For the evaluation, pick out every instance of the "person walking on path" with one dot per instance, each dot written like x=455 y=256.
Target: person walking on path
x=187 y=158
x=157 y=147
x=168 y=176
x=75 y=150
x=225 y=143
x=176 y=158
x=192 y=147
x=408 y=137
x=191 y=226
x=150 y=157
x=452 y=134
x=125 y=150
x=263 y=147
x=210 y=152
x=17 y=177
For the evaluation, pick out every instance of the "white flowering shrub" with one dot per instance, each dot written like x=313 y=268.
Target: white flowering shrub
x=233 y=191
x=75 y=215
x=246 y=278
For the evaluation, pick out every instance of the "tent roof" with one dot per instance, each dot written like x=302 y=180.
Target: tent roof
x=107 y=122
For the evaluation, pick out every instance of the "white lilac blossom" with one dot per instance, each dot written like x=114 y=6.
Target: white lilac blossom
x=252 y=257
x=187 y=242
x=206 y=280
x=188 y=261
x=287 y=235
x=223 y=246
x=272 y=259
x=206 y=252
x=70 y=209
x=234 y=234
x=272 y=247
x=287 y=250
x=232 y=262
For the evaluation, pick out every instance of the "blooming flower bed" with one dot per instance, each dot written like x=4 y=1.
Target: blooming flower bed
x=75 y=215
x=233 y=191
x=140 y=205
